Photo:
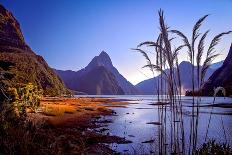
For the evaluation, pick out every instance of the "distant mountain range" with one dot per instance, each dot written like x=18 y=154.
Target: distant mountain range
x=98 y=77
x=149 y=86
x=27 y=66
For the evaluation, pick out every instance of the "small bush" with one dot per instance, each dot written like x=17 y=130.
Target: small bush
x=213 y=148
x=25 y=96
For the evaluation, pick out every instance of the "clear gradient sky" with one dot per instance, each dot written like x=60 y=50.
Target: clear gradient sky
x=69 y=33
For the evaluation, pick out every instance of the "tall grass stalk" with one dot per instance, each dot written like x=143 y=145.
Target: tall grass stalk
x=166 y=57
x=169 y=84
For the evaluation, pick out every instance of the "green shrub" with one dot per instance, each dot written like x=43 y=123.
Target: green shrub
x=26 y=96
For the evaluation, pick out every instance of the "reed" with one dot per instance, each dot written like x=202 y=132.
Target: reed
x=169 y=85
x=167 y=58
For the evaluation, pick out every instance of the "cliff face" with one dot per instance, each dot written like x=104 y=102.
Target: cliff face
x=28 y=67
x=221 y=77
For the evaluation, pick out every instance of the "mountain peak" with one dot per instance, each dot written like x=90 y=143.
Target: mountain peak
x=99 y=74
x=103 y=54
x=102 y=59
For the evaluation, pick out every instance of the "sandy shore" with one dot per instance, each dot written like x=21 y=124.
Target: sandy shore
x=76 y=122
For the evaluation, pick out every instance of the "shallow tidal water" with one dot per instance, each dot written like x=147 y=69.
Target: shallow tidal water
x=131 y=122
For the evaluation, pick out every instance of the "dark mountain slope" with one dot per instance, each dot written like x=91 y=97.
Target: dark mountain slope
x=99 y=81
x=28 y=67
x=104 y=60
x=221 y=77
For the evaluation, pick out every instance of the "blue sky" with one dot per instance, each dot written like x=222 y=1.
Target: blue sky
x=69 y=33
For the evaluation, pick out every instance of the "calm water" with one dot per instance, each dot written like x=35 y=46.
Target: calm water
x=131 y=122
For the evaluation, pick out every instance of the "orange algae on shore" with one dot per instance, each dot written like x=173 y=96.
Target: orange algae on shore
x=74 y=111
